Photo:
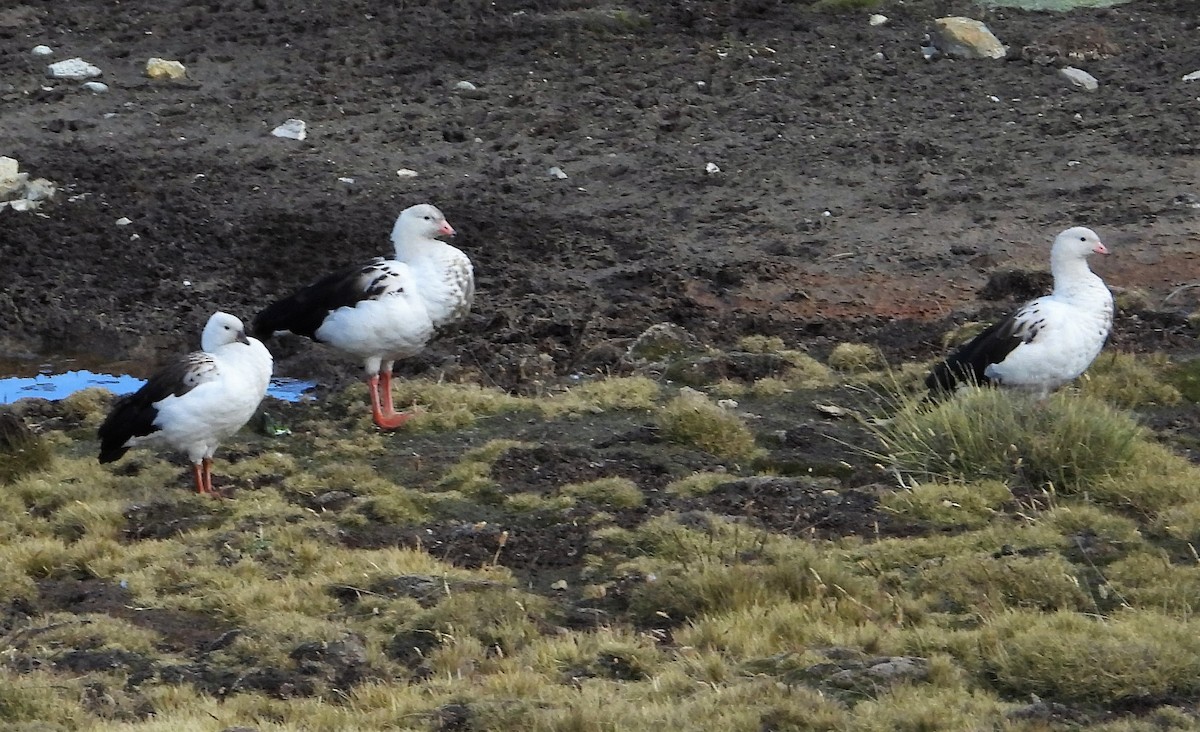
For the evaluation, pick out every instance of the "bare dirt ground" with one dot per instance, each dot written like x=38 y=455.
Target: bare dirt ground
x=860 y=197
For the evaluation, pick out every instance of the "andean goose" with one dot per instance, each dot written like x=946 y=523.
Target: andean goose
x=1047 y=342
x=386 y=309
x=195 y=402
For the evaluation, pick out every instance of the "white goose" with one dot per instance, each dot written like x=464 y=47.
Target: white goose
x=1047 y=342
x=195 y=402
x=386 y=309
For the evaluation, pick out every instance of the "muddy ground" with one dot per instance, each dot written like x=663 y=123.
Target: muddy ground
x=863 y=193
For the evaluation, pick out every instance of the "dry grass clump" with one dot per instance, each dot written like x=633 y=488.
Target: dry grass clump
x=602 y=395
x=1138 y=657
x=949 y=504
x=856 y=358
x=1127 y=381
x=21 y=450
x=1069 y=442
x=610 y=492
x=1154 y=480
x=689 y=571
x=990 y=583
x=1150 y=581
x=691 y=419
x=697 y=484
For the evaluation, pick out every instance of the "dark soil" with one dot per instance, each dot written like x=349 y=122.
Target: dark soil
x=930 y=185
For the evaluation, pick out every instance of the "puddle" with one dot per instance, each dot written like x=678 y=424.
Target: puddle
x=1059 y=5
x=58 y=380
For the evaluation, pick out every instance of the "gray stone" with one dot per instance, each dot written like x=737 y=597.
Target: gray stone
x=1080 y=78
x=73 y=68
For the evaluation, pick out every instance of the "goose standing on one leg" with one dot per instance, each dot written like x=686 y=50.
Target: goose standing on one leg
x=195 y=402
x=386 y=309
x=1047 y=342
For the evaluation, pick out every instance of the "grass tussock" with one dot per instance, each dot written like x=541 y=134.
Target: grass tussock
x=610 y=492
x=1069 y=442
x=22 y=451
x=691 y=419
x=950 y=504
x=628 y=393
x=1128 y=381
x=856 y=358
x=1145 y=656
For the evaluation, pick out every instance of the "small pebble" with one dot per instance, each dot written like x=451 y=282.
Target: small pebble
x=347 y=181
x=95 y=87
x=711 y=168
x=1194 y=76
x=407 y=173
x=877 y=19
x=557 y=172
x=123 y=221
x=465 y=86
x=43 y=51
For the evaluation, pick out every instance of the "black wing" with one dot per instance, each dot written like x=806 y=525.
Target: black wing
x=305 y=310
x=133 y=415
x=969 y=363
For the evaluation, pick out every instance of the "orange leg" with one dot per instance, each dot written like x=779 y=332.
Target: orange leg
x=382 y=409
x=198 y=474
x=208 y=475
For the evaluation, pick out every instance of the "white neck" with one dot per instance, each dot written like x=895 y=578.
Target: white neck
x=1074 y=279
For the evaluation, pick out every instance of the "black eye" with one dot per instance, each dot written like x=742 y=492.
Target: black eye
x=1083 y=238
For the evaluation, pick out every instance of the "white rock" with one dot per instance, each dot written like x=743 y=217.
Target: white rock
x=39 y=189
x=557 y=172
x=41 y=50
x=465 y=86
x=877 y=19
x=73 y=68
x=1080 y=78
x=123 y=221
x=966 y=38
x=1194 y=76
x=407 y=173
x=347 y=181
x=711 y=168
x=9 y=167
x=292 y=129
x=161 y=68
x=95 y=87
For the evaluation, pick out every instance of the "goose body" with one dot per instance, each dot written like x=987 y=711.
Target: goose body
x=386 y=309
x=195 y=402
x=1047 y=342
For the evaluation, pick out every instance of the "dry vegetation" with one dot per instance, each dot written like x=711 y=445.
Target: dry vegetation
x=622 y=555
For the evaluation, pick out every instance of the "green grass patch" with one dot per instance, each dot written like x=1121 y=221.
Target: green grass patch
x=1129 y=381
x=1069 y=442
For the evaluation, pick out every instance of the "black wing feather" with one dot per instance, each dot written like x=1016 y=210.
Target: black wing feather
x=968 y=364
x=305 y=310
x=133 y=415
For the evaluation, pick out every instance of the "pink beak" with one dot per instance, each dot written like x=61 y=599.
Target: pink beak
x=448 y=230
x=1100 y=249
